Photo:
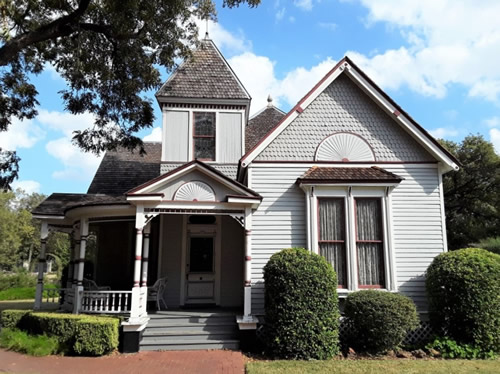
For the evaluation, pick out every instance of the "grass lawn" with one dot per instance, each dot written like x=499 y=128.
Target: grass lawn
x=25 y=304
x=375 y=366
x=21 y=293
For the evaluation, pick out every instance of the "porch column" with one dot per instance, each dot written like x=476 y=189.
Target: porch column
x=75 y=251
x=79 y=265
x=139 y=295
x=145 y=250
x=247 y=306
x=44 y=233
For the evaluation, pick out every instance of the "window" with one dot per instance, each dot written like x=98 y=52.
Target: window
x=369 y=243
x=349 y=230
x=332 y=236
x=204 y=136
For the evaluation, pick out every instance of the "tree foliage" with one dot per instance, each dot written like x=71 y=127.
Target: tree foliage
x=108 y=51
x=472 y=194
x=20 y=233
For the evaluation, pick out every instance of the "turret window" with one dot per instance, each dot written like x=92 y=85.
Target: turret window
x=204 y=136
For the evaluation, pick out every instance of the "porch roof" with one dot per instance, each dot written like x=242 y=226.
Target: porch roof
x=58 y=204
x=337 y=175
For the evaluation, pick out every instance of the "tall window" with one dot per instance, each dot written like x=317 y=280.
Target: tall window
x=204 y=136
x=369 y=243
x=332 y=236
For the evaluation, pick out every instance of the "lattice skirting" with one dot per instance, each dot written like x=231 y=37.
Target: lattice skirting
x=421 y=334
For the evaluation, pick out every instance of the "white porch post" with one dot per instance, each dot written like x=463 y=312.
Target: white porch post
x=247 y=306
x=145 y=250
x=138 y=314
x=44 y=233
x=79 y=264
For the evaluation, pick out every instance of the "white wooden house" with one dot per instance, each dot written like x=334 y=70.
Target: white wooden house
x=345 y=173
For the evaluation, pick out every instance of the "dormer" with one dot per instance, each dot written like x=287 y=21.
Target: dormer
x=204 y=109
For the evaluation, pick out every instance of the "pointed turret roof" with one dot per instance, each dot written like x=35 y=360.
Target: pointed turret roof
x=205 y=75
x=261 y=123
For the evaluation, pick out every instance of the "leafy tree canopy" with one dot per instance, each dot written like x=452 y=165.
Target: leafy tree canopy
x=472 y=194
x=108 y=51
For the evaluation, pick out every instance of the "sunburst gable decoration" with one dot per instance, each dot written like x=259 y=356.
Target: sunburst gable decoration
x=345 y=147
x=195 y=191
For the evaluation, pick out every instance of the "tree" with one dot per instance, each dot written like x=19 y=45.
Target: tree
x=472 y=194
x=108 y=51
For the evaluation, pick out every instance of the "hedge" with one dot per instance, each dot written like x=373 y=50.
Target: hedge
x=464 y=297
x=79 y=334
x=380 y=320
x=301 y=310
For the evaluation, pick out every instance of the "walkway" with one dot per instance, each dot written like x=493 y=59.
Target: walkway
x=206 y=362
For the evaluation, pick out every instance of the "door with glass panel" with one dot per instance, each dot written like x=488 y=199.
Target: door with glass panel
x=200 y=269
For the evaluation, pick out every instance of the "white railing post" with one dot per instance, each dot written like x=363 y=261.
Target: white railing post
x=44 y=233
x=79 y=265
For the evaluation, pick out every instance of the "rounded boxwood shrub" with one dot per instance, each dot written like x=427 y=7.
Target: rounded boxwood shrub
x=302 y=316
x=380 y=320
x=464 y=297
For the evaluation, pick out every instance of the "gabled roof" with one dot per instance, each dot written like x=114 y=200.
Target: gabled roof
x=240 y=189
x=336 y=175
x=260 y=124
x=121 y=170
x=346 y=66
x=205 y=75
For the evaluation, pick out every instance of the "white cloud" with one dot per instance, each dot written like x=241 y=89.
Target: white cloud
x=495 y=139
x=442 y=132
x=304 y=4
x=330 y=26
x=65 y=122
x=291 y=19
x=448 y=42
x=492 y=121
x=78 y=164
x=232 y=42
x=51 y=69
x=27 y=186
x=21 y=134
x=155 y=135
x=280 y=14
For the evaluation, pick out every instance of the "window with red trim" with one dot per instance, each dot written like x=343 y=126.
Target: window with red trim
x=332 y=233
x=204 y=136
x=369 y=243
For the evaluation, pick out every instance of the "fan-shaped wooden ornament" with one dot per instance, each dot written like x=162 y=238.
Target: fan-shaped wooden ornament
x=344 y=147
x=195 y=191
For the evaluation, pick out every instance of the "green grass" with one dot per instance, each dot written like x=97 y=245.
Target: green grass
x=21 y=293
x=375 y=366
x=34 y=345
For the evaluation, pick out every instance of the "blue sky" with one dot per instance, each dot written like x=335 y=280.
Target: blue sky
x=439 y=60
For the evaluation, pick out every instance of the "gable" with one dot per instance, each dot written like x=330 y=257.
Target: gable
x=343 y=107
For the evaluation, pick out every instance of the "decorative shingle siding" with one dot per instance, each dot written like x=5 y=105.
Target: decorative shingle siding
x=343 y=107
x=280 y=222
x=228 y=170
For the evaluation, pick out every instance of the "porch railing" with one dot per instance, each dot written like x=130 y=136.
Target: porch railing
x=106 y=302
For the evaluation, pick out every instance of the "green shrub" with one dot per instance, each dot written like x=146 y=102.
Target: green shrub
x=490 y=244
x=11 y=318
x=34 y=345
x=302 y=314
x=19 y=279
x=464 y=297
x=380 y=320
x=449 y=348
x=77 y=334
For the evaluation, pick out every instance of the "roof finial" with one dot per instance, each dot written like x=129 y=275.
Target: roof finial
x=269 y=101
x=206 y=32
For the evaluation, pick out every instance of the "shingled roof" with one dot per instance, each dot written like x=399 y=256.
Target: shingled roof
x=260 y=124
x=334 y=175
x=122 y=170
x=205 y=75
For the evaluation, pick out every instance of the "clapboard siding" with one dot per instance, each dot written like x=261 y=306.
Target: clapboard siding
x=280 y=222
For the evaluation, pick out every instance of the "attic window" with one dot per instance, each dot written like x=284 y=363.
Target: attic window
x=204 y=136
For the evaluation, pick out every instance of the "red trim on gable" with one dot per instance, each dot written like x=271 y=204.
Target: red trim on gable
x=300 y=110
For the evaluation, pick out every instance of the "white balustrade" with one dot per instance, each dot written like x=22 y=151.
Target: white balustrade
x=106 y=302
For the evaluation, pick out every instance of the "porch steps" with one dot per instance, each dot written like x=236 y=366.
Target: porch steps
x=190 y=330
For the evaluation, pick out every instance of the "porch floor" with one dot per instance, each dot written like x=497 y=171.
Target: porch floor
x=191 y=329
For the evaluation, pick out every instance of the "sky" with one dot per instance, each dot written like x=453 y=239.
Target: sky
x=438 y=59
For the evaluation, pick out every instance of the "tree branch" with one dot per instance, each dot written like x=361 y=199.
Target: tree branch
x=55 y=29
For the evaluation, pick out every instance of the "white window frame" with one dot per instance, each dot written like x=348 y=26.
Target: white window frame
x=349 y=194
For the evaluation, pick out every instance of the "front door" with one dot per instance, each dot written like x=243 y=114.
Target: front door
x=200 y=269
